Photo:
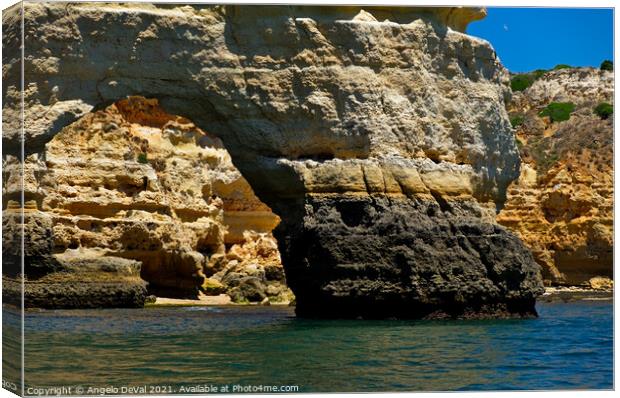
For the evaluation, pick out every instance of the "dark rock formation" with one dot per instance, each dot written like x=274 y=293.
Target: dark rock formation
x=384 y=257
x=81 y=282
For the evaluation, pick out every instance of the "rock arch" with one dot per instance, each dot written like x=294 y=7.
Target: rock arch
x=384 y=146
x=129 y=192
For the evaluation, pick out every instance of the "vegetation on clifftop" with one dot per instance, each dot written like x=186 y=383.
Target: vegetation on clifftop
x=607 y=65
x=543 y=141
x=522 y=81
x=561 y=66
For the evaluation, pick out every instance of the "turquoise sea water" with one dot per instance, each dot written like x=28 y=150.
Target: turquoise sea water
x=568 y=347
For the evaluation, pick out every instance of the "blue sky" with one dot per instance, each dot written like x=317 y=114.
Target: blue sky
x=540 y=38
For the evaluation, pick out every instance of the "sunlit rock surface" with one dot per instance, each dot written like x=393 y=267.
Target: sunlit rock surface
x=379 y=136
x=562 y=203
x=133 y=182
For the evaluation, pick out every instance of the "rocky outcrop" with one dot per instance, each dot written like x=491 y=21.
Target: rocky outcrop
x=394 y=257
x=355 y=126
x=252 y=271
x=131 y=194
x=562 y=204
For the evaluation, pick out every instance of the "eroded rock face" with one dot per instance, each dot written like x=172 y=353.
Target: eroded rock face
x=252 y=271
x=562 y=204
x=417 y=258
x=132 y=182
x=337 y=117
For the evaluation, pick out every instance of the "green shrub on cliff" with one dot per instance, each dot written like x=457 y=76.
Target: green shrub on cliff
x=604 y=110
x=561 y=66
x=517 y=120
x=538 y=73
x=558 y=111
x=521 y=82
x=142 y=158
x=607 y=65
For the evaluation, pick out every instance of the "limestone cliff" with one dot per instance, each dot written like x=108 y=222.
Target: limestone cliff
x=133 y=182
x=562 y=204
x=379 y=136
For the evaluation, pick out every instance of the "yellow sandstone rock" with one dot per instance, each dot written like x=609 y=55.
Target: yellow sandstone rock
x=134 y=182
x=562 y=204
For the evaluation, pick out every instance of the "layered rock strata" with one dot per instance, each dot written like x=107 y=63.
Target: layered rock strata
x=379 y=136
x=131 y=194
x=562 y=204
